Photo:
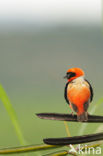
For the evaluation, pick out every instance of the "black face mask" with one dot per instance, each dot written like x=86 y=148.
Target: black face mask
x=69 y=75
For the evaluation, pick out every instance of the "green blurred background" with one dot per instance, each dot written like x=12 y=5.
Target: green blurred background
x=33 y=60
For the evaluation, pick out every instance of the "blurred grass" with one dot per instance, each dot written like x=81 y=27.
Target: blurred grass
x=39 y=129
x=12 y=114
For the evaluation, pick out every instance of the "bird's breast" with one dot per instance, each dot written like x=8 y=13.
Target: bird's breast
x=78 y=92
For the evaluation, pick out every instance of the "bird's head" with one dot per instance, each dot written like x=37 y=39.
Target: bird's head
x=74 y=73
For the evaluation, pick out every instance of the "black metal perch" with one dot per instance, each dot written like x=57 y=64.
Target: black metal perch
x=69 y=117
x=74 y=140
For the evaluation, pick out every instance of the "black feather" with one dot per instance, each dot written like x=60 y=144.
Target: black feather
x=65 y=93
x=91 y=90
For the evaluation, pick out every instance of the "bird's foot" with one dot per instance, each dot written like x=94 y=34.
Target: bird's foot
x=72 y=114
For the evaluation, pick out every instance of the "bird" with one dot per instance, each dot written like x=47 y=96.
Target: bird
x=78 y=93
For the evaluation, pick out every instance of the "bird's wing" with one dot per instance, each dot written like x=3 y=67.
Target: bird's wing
x=91 y=90
x=65 y=93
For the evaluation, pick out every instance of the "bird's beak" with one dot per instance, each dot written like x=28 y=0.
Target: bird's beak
x=65 y=77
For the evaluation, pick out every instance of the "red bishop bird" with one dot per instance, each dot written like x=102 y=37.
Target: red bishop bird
x=78 y=93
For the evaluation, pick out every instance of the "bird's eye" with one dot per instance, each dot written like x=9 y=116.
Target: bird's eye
x=70 y=74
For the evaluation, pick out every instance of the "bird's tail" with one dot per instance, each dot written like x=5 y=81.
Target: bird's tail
x=82 y=117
